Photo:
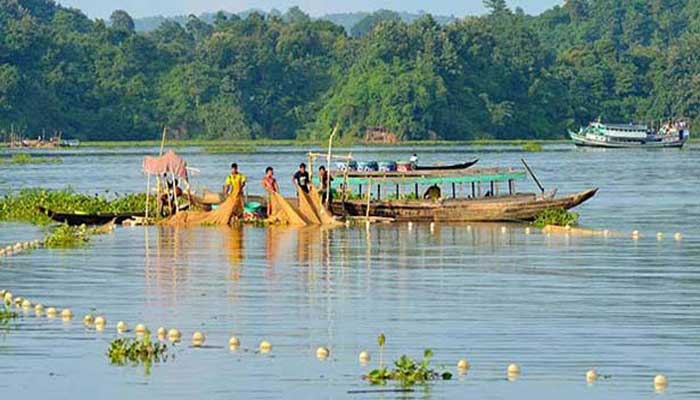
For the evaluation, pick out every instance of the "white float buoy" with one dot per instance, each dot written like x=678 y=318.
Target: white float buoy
x=504 y=229
x=513 y=369
x=463 y=364
x=162 y=334
x=8 y=297
x=635 y=235
x=66 y=314
x=527 y=230
x=678 y=236
x=660 y=382
x=51 y=312
x=234 y=343
x=174 y=335
x=26 y=304
x=100 y=323
x=322 y=353
x=140 y=329
x=197 y=339
x=122 y=327
x=18 y=301
x=606 y=232
x=88 y=320
x=591 y=375
x=364 y=357
x=265 y=346
x=38 y=310
x=659 y=236
x=410 y=225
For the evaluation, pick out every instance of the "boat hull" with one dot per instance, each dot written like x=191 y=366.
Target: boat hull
x=453 y=167
x=519 y=207
x=88 y=219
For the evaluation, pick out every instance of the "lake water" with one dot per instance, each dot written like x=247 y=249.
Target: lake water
x=556 y=305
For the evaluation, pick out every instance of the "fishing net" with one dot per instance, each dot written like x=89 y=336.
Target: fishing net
x=233 y=206
x=325 y=216
x=285 y=213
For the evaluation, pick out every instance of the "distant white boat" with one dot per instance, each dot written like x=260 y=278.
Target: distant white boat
x=598 y=134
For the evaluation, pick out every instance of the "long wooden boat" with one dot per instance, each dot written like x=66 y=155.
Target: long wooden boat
x=481 y=198
x=88 y=219
x=446 y=167
x=517 y=207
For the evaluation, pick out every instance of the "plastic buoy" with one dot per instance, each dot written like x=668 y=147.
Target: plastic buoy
x=197 y=339
x=88 y=319
x=100 y=323
x=38 y=309
x=66 y=314
x=265 y=346
x=51 y=312
x=364 y=357
x=162 y=334
x=234 y=343
x=527 y=230
x=8 y=297
x=463 y=364
x=410 y=225
x=504 y=229
x=635 y=235
x=678 y=236
x=140 y=329
x=322 y=353
x=18 y=301
x=660 y=236
x=513 y=369
x=606 y=232
x=591 y=375
x=26 y=304
x=122 y=327
x=174 y=335
x=660 y=382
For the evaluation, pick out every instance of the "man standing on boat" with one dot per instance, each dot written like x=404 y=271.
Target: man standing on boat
x=270 y=185
x=235 y=182
x=414 y=159
x=325 y=192
x=301 y=178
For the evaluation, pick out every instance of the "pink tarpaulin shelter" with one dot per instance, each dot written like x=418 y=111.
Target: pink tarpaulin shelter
x=168 y=163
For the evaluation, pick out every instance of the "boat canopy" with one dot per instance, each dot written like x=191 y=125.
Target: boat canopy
x=167 y=163
x=430 y=177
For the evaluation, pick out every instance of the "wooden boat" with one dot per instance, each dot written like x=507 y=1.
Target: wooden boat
x=88 y=219
x=446 y=167
x=487 y=205
x=517 y=207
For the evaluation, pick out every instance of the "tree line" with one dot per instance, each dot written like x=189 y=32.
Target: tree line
x=504 y=75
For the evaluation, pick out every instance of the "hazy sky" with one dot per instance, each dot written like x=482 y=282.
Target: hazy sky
x=144 y=8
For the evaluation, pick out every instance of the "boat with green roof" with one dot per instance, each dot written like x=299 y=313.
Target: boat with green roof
x=484 y=195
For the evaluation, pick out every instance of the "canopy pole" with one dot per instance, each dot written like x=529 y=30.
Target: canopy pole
x=328 y=166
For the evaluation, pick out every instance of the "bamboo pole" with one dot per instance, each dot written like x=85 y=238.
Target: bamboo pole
x=369 y=197
x=328 y=165
x=148 y=194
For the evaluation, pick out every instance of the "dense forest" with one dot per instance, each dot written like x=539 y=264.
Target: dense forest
x=502 y=75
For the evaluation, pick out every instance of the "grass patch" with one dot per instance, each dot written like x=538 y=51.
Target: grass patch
x=67 y=237
x=23 y=206
x=532 y=147
x=6 y=314
x=233 y=149
x=27 y=159
x=408 y=372
x=556 y=216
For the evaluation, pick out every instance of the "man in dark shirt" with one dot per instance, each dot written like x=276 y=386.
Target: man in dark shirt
x=326 y=179
x=301 y=178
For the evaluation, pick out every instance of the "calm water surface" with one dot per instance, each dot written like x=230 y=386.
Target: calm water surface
x=557 y=306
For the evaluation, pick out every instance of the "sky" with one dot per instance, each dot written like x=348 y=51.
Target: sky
x=146 y=8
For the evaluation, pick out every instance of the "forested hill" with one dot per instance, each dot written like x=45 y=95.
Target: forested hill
x=503 y=75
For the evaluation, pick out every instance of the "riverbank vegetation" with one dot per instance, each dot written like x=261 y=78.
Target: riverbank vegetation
x=23 y=206
x=504 y=75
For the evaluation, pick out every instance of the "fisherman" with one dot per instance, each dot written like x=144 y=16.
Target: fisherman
x=269 y=183
x=235 y=182
x=326 y=179
x=414 y=159
x=433 y=193
x=301 y=178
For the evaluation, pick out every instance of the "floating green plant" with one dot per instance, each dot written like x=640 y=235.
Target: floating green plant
x=408 y=372
x=556 y=216
x=23 y=206
x=233 y=149
x=66 y=236
x=135 y=351
x=26 y=158
x=6 y=314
